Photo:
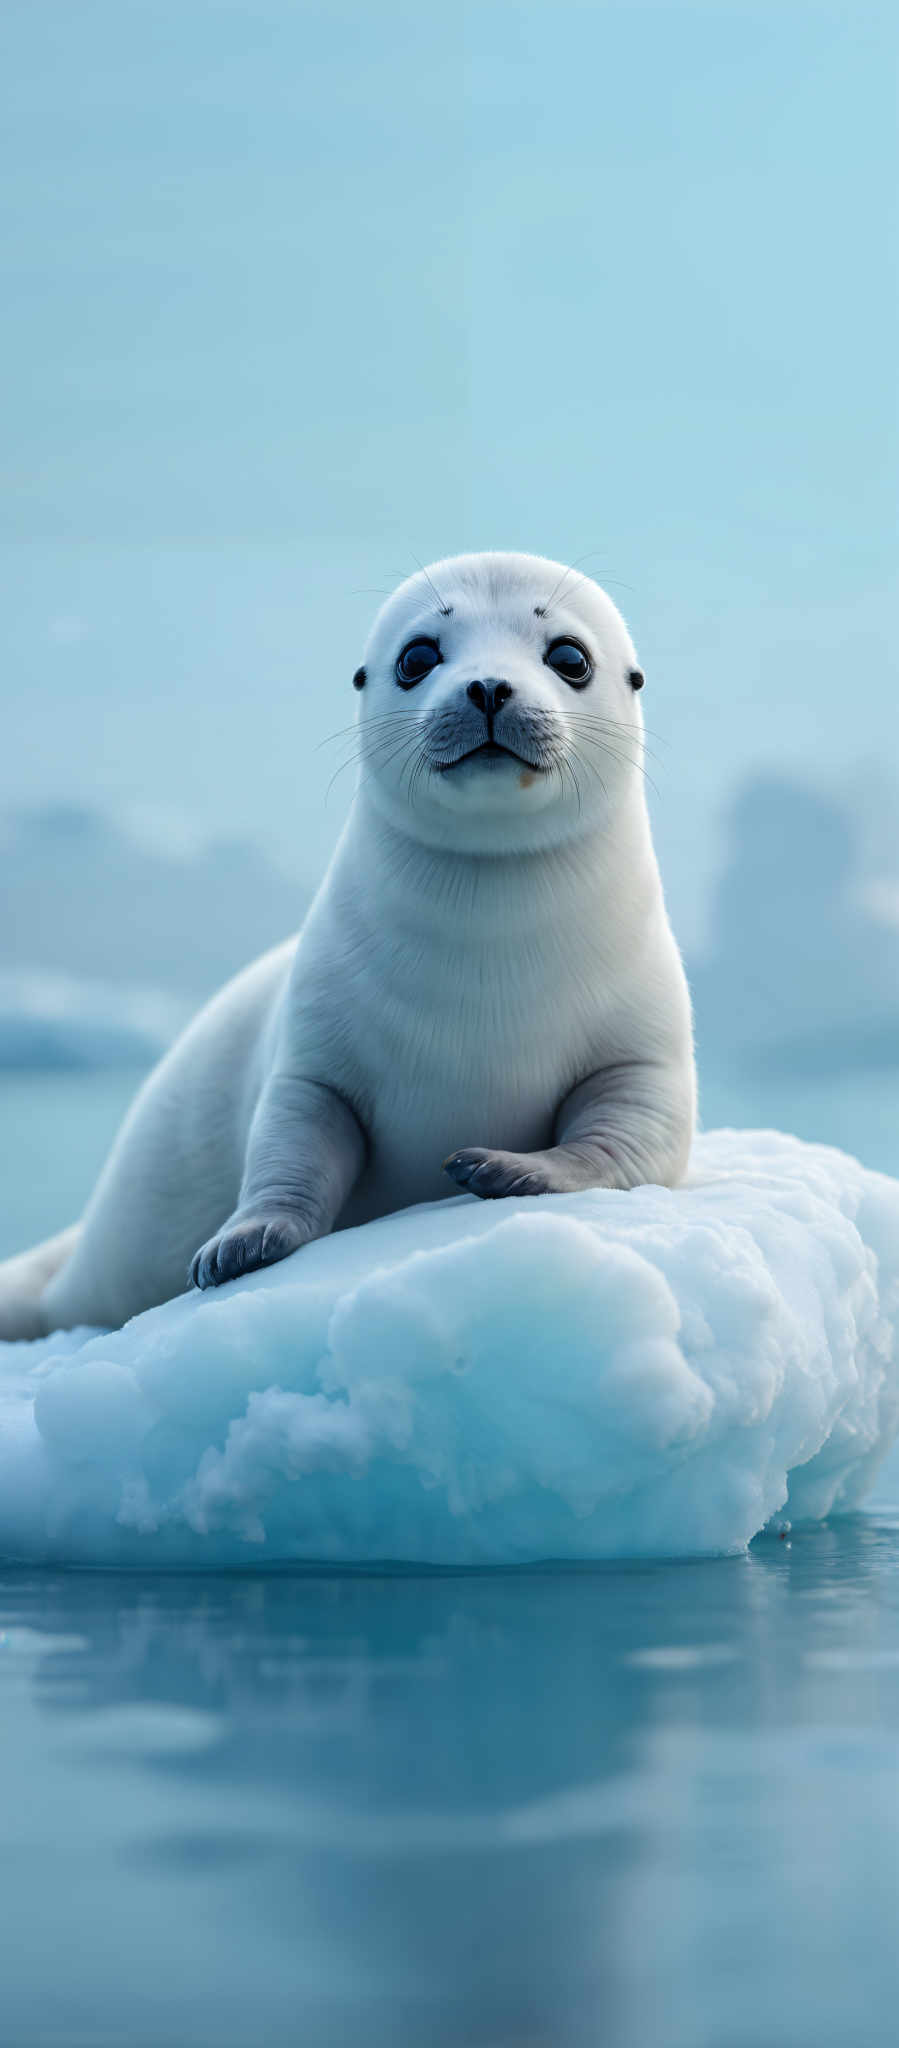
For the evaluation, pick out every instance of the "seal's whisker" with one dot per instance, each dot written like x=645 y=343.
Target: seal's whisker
x=403 y=750
x=365 y=725
x=617 y=748
x=615 y=582
x=622 y=737
x=369 y=747
x=352 y=762
x=408 y=746
x=446 y=609
x=618 y=725
x=556 y=592
x=625 y=762
x=421 y=761
x=376 y=755
x=636 y=760
x=373 y=743
x=590 y=768
x=577 y=787
x=585 y=557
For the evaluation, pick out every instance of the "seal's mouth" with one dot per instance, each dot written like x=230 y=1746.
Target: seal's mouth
x=490 y=750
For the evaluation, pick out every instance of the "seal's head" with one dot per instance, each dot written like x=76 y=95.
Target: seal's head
x=499 y=703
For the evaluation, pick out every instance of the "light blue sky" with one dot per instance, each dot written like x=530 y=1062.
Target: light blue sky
x=295 y=294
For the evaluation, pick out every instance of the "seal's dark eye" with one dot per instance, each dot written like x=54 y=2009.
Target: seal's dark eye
x=570 y=662
x=416 y=662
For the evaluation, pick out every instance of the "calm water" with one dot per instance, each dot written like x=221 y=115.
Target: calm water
x=645 y=1807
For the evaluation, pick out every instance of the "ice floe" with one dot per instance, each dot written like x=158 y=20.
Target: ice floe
x=473 y=1383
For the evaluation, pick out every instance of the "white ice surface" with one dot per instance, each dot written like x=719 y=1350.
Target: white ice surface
x=589 y=1376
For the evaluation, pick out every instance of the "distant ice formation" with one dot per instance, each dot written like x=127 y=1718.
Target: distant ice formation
x=582 y=1377
x=65 y=1021
x=105 y=971
x=127 y=913
x=802 y=975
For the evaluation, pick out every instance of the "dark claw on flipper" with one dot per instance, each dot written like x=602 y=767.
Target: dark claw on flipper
x=244 y=1249
x=493 y=1175
x=461 y=1165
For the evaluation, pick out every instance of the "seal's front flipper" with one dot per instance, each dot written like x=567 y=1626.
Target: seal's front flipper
x=305 y=1153
x=244 y=1246
x=494 y=1174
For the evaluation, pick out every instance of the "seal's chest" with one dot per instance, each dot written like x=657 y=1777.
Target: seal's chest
x=467 y=1044
x=488 y=1005
x=499 y=1084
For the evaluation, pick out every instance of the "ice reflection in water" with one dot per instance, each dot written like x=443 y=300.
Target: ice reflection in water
x=647 y=1805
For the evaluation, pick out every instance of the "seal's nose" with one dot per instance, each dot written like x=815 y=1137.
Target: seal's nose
x=490 y=696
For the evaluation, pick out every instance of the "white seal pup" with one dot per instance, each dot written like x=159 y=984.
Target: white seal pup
x=486 y=993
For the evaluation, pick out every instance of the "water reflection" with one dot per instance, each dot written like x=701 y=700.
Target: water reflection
x=654 y=1804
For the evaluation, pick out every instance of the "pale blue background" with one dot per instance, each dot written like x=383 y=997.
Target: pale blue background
x=297 y=293
x=293 y=295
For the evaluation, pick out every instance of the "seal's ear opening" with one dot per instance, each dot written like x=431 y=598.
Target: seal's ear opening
x=636 y=678
x=359 y=679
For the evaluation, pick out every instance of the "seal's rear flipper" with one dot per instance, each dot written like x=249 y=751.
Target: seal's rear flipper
x=22 y=1283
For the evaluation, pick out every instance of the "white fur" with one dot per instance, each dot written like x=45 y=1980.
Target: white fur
x=484 y=943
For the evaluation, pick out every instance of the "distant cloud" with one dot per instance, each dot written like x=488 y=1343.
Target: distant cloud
x=67 y=630
x=880 y=899
x=161 y=829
